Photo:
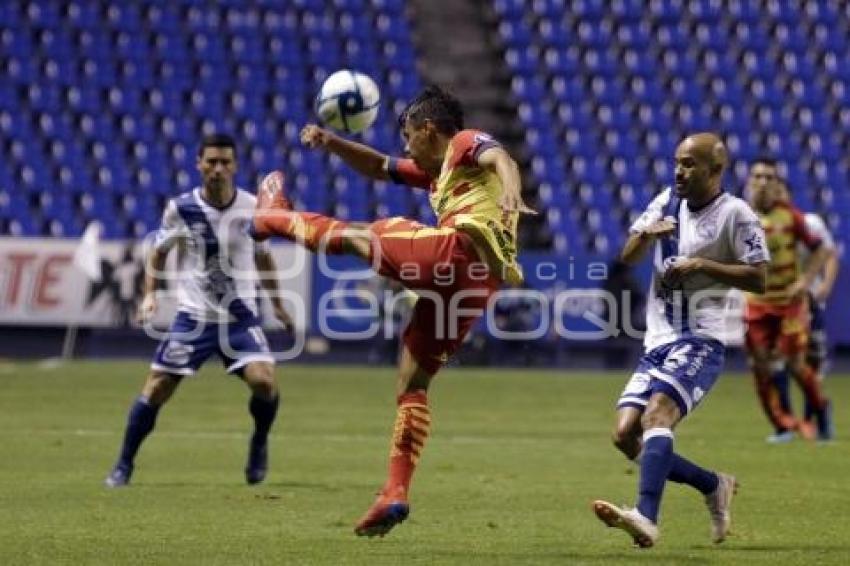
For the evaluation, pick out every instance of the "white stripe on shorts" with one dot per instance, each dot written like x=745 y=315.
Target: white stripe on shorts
x=635 y=400
x=675 y=385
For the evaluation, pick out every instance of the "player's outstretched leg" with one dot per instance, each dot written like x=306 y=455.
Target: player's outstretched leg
x=274 y=216
x=140 y=423
x=412 y=426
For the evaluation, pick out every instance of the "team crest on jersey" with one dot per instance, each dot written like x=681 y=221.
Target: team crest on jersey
x=753 y=242
x=707 y=227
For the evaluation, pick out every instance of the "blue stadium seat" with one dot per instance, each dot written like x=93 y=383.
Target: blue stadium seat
x=109 y=98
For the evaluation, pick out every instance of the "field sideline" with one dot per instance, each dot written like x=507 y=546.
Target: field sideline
x=513 y=463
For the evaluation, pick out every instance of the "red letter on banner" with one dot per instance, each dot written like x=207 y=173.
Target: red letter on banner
x=49 y=275
x=17 y=263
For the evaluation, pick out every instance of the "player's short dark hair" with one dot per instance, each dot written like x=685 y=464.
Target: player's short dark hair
x=217 y=140
x=436 y=105
x=765 y=160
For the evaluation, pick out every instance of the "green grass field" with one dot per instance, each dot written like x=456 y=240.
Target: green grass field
x=513 y=463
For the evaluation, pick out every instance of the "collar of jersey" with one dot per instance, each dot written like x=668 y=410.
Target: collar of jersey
x=709 y=203
x=200 y=193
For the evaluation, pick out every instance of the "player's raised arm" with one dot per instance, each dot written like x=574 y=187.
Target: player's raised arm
x=360 y=157
x=639 y=243
x=497 y=159
x=646 y=230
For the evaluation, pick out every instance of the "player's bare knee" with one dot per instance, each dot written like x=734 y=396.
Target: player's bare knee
x=663 y=414
x=625 y=441
x=260 y=378
x=159 y=387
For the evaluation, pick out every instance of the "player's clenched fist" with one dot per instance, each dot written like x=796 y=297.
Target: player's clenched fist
x=313 y=136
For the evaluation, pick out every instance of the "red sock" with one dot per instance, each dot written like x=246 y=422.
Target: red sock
x=315 y=231
x=769 y=398
x=808 y=381
x=412 y=425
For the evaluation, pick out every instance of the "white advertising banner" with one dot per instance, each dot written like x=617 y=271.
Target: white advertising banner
x=41 y=283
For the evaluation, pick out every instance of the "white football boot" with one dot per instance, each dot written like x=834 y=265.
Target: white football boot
x=719 y=505
x=644 y=532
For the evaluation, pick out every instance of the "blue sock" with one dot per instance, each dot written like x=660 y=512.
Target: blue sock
x=264 y=413
x=655 y=464
x=140 y=423
x=685 y=471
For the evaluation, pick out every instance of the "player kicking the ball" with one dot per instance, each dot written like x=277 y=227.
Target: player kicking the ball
x=705 y=241
x=454 y=268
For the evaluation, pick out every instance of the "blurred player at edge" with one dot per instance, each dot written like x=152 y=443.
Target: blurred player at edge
x=216 y=287
x=705 y=242
x=777 y=322
x=454 y=268
x=817 y=350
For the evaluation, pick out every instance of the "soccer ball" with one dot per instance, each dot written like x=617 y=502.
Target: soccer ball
x=348 y=101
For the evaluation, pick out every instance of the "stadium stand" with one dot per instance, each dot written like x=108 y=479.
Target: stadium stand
x=607 y=89
x=103 y=102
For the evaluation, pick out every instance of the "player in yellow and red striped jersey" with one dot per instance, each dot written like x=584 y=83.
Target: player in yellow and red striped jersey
x=454 y=267
x=777 y=321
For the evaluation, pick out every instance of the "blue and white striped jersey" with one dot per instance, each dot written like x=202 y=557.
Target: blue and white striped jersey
x=725 y=230
x=216 y=275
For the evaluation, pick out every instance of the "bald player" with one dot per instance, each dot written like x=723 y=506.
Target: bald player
x=705 y=242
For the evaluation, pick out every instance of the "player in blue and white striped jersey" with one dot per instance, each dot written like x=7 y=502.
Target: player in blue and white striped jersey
x=706 y=241
x=218 y=311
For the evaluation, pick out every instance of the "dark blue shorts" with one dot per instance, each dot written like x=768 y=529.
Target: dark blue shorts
x=684 y=370
x=190 y=343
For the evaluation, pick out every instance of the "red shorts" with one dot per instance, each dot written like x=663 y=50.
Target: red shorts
x=784 y=327
x=443 y=268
